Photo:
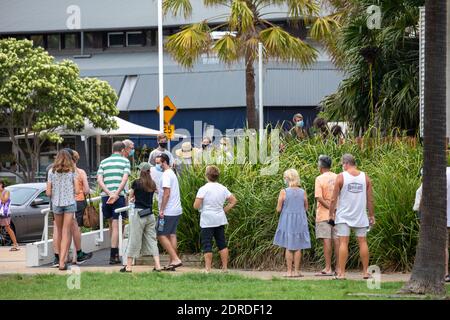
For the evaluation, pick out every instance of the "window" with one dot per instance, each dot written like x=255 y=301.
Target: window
x=44 y=197
x=38 y=40
x=151 y=37
x=53 y=42
x=116 y=39
x=71 y=41
x=20 y=195
x=135 y=39
x=93 y=40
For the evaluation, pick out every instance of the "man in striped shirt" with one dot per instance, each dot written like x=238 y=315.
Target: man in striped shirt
x=112 y=176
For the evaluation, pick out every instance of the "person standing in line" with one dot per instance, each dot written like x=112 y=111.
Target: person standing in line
x=142 y=239
x=169 y=212
x=112 y=176
x=298 y=130
x=5 y=215
x=61 y=188
x=80 y=197
x=162 y=148
x=210 y=201
x=353 y=188
x=292 y=231
x=324 y=186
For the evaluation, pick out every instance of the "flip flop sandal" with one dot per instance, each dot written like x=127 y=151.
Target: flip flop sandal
x=156 y=270
x=338 y=278
x=176 y=265
x=367 y=277
x=447 y=278
x=324 y=274
x=124 y=269
x=14 y=249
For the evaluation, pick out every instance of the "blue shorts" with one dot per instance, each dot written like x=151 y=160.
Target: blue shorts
x=170 y=225
x=109 y=209
x=64 y=209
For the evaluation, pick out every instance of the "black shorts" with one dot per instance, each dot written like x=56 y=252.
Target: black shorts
x=109 y=209
x=207 y=234
x=170 y=225
x=81 y=205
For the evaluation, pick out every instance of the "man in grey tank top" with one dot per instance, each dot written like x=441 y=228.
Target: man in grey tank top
x=353 y=188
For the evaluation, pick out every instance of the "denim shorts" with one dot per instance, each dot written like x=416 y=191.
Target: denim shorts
x=65 y=209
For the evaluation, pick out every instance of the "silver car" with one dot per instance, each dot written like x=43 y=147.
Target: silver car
x=27 y=221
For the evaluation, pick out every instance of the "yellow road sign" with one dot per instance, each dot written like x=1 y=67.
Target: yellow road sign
x=169 y=130
x=169 y=109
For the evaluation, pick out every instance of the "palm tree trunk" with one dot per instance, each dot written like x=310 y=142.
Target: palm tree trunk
x=428 y=271
x=250 y=91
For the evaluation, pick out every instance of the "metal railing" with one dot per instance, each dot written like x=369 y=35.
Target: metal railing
x=130 y=210
x=45 y=233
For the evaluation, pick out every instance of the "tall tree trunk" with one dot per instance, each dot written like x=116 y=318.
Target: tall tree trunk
x=428 y=271
x=250 y=91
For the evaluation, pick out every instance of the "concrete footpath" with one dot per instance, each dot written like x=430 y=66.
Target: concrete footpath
x=14 y=262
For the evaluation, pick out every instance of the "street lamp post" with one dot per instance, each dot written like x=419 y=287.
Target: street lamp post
x=160 y=67
x=260 y=84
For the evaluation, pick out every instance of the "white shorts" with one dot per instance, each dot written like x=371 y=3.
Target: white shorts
x=343 y=230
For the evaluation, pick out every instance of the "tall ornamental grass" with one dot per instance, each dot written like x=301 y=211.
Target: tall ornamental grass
x=392 y=164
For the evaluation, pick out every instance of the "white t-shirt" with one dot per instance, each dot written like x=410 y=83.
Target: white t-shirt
x=170 y=180
x=214 y=196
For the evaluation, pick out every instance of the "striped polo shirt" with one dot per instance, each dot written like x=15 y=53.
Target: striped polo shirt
x=113 y=169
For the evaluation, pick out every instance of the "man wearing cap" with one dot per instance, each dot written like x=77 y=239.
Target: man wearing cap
x=299 y=131
x=186 y=156
x=324 y=230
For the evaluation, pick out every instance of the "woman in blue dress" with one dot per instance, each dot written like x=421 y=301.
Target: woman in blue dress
x=292 y=232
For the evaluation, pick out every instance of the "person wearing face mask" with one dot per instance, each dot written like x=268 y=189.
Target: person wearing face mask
x=299 y=131
x=162 y=148
x=292 y=231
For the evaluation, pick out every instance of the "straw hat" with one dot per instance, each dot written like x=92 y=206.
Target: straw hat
x=186 y=151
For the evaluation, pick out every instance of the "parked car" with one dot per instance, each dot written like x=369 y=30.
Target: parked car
x=27 y=221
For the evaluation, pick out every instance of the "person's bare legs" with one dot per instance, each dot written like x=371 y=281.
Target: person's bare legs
x=327 y=252
x=12 y=236
x=343 y=255
x=65 y=237
x=157 y=262
x=297 y=260
x=173 y=242
x=56 y=236
x=208 y=261
x=336 y=255
x=114 y=223
x=167 y=245
x=224 y=258
x=446 y=253
x=289 y=259
x=364 y=254
x=76 y=234
x=129 y=265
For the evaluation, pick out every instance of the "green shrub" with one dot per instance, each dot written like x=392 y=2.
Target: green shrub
x=393 y=165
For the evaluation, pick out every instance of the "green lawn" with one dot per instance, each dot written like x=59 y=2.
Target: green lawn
x=185 y=286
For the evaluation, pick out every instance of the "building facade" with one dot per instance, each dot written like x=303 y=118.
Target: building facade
x=116 y=41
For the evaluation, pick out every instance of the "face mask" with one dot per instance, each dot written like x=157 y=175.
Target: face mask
x=204 y=146
x=131 y=153
x=300 y=124
x=158 y=167
x=163 y=145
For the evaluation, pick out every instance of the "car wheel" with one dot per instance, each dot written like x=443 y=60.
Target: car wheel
x=5 y=239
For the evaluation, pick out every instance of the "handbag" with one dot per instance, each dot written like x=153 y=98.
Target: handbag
x=145 y=212
x=90 y=216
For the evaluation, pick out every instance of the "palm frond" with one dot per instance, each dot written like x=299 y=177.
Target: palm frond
x=241 y=17
x=227 y=49
x=176 y=7
x=187 y=45
x=282 y=46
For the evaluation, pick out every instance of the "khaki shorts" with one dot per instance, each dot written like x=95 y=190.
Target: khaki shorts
x=343 y=230
x=324 y=230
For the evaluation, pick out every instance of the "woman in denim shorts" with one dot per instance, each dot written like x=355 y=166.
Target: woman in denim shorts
x=61 y=190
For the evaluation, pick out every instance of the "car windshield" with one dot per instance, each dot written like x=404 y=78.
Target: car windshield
x=20 y=195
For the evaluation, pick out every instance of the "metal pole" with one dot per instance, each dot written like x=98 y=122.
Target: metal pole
x=260 y=83
x=160 y=68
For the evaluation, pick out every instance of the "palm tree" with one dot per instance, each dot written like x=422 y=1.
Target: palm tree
x=247 y=27
x=428 y=271
x=381 y=66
